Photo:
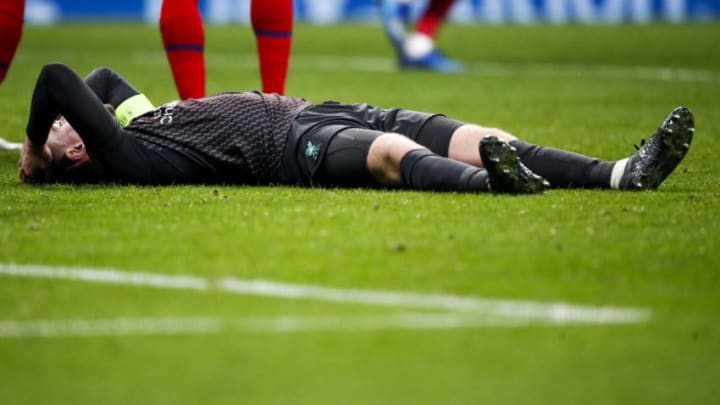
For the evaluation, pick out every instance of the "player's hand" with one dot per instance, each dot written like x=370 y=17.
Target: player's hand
x=35 y=164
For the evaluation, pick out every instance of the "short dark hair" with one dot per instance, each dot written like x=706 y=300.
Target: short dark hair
x=67 y=171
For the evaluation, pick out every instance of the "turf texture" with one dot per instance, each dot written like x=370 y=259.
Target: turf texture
x=592 y=89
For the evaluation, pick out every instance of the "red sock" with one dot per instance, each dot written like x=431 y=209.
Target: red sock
x=12 y=13
x=272 y=21
x=183 y=35
x=435 y=14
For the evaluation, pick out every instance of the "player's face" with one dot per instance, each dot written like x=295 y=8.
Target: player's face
x=63 y=133
x=65 y=141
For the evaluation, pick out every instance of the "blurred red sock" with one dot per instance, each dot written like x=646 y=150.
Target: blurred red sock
x=433 y=17
x=183 y=36
x=12 y=13
x=272 y=21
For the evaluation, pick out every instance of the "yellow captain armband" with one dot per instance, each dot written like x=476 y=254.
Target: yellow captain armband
x=132 y=108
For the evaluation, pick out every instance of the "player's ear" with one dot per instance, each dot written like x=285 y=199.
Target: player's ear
x=76 y=152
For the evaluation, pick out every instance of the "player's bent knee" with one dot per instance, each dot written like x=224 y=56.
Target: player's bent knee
x=483 y=132
x=385 y=155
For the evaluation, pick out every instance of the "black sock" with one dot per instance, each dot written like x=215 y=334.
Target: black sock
x=564 y=169
x=421 y=169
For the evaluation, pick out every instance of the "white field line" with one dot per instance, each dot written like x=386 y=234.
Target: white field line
x=7 y=145
x=59 y=328
x=557 y=312
x=108 y=327
x=553 y=312
x=108 y=276
x=385 y=65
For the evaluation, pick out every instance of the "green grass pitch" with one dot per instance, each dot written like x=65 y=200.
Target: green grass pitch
x=596 y=90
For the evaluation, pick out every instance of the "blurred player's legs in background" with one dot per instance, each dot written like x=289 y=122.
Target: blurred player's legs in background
x=272 y=22
x=183 y=35
x=417 y=49
x=12 y=13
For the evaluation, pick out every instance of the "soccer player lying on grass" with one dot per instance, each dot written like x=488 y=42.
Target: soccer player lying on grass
x=255 y=138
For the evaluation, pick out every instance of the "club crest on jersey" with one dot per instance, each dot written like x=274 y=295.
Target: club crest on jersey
x=312 y=151
x=165 y=113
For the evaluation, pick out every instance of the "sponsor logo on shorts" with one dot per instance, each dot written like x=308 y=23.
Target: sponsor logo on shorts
x=312 y=151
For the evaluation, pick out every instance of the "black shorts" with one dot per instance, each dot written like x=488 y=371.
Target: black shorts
x=328 y=143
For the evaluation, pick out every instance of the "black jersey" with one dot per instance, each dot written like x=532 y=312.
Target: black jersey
x=241 y=132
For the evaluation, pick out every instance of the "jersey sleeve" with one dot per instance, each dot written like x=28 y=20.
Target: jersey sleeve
x=111 y=88
x=60 y=91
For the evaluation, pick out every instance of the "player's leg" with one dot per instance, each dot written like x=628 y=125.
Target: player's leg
x=646 y=169
x=12 y=13
x=395 y=160
x=394 y=16
x=561 y=168
x=364 y=158
x=460 y=141
x=183 y=36
x=657 y=157
x=359 y=157
x=418 y=49
x=272 y=22
x=433 y=17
